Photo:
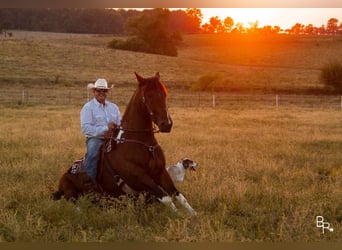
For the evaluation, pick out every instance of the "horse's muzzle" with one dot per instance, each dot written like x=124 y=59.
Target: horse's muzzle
x=165 y=126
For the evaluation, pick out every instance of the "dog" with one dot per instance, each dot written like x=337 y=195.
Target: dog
x=177 y=172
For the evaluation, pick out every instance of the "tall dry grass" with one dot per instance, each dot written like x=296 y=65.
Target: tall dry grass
x=264 y=175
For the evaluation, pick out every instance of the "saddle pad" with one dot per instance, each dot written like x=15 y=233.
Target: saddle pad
x=77 y=167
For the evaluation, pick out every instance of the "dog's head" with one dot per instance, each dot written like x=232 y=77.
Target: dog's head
x=188 y=164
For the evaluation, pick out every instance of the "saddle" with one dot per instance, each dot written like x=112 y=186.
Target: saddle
x=77 y=167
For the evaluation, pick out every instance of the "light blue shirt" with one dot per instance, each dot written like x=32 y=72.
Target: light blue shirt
x=96 y=116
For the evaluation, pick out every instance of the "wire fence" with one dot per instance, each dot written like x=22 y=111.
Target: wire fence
x=225 y=100
x=180 y=99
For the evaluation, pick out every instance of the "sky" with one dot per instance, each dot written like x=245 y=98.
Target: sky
x=173 y=3
x=268 y=12
x=283 y=17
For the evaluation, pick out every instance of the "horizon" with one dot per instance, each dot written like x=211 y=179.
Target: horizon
x=275 y=16
x=270 y=16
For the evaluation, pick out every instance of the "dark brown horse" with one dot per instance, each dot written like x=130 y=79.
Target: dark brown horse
x=135 y=162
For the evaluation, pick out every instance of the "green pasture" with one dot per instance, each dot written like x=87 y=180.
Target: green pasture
x=264 y=173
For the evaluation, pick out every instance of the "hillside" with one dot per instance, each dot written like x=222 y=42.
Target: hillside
x=281 y=63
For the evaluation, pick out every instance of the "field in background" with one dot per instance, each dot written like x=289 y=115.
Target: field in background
x=251 y=64
x=265 y=173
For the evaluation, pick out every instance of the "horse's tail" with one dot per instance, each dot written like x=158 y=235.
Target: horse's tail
x=57 y=195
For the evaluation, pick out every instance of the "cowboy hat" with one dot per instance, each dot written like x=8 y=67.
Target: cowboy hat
x=99 y=84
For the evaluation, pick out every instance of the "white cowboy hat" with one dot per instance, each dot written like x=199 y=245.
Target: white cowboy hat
x=99 y=84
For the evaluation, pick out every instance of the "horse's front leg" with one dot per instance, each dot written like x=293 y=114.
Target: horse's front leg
x=181 y=199
x=167 y=184
x=140 y=181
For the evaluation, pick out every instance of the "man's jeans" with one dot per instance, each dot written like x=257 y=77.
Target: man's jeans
x=92 y=156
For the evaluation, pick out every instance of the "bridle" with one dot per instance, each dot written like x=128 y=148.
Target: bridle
x=119 y=139
x=154 y=129
x=150 y=112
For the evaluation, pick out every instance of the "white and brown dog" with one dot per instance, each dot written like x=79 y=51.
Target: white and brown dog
x=177 y=172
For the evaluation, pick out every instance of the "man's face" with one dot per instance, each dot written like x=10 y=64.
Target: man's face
x=100 y=95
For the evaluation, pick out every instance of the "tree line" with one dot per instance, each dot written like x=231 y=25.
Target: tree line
x=91 y=21
x=113 y=21
x=216 y=25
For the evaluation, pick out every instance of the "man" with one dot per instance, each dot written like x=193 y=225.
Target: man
x=97 y=116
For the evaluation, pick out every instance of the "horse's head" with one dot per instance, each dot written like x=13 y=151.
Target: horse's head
x=153 y=94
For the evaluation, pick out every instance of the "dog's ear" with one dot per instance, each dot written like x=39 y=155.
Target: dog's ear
x=186 y=163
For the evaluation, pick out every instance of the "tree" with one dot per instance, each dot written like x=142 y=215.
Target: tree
x=216 y=25
x=228 y=23
x=332 y=26
x=297 y=28
x=240 y=28
x=309 y=29
x=253 y=26
x=196 y=17
x=149 y=33
x=184 y=21
x=340 y=29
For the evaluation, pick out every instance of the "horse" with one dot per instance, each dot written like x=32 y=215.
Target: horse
x=135 y=162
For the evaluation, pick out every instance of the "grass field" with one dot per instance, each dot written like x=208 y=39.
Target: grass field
x=265 y=173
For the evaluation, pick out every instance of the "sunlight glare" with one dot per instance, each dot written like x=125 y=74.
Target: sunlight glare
x=242 y=15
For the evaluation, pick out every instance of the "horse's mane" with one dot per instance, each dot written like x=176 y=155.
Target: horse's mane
x=152 y=82
x=156 y=80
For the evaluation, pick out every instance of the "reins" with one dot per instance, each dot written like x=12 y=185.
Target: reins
x=119 y=139
x=150 y=148
x=154 y=130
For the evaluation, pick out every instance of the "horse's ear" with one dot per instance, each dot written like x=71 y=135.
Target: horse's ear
x=157 y=75
x=139 y=78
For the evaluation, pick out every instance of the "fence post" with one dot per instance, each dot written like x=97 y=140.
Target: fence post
x=23 y=96
x=277 y=101
x=214 y=101
x=341 y=101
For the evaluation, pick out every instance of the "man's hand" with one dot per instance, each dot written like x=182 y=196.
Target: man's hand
x=111 y=125
x=108 y=134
